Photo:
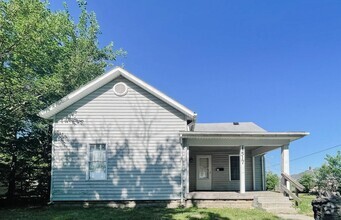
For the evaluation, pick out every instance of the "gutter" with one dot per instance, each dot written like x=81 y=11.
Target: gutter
x=192 y=124
x=290 y=135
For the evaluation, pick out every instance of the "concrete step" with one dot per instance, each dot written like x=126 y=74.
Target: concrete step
x=275 y=203
x=269 y=194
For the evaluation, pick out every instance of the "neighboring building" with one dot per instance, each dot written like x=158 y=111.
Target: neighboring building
x=118 y=138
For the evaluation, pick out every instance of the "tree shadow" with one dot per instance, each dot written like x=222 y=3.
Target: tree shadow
x=143 y=152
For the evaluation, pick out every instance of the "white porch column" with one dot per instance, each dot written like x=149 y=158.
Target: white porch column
x=187 y=171
x=242 y=168
x=285 y=164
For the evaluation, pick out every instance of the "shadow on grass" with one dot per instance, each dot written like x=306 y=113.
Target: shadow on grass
x=63 y=213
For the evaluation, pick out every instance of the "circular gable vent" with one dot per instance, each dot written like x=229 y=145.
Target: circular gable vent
x=120 y=89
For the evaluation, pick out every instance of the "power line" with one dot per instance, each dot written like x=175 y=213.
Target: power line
x=308 y=155
x=317 y=152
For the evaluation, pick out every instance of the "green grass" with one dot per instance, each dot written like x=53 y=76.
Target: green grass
x=63 y=213
x=305 y=207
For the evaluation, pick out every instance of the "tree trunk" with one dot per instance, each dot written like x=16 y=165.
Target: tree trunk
x=11 y=179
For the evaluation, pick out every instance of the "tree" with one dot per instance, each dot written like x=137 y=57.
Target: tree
x=272 y=181
x=43 y=56
x=308 y=181
x=329 y=175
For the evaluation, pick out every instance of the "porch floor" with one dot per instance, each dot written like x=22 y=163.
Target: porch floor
x=224 y=195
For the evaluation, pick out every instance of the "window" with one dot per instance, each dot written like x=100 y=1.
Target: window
x=203 y=168
x=97 y=162
x=234 y=168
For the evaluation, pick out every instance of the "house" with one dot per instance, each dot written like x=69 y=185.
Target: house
x=118 y=138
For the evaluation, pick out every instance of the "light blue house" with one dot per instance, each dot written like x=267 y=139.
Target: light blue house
x=118 y=138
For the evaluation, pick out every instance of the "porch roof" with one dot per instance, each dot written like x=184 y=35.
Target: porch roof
x=291 y=136
x=228 y=127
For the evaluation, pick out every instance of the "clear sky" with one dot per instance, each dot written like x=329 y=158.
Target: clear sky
x=276 y=63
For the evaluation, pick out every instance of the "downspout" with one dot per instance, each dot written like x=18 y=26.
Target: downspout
x=181 y=173
x=52 y=159
x=190 y=127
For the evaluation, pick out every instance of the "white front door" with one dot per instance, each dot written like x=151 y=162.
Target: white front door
x=204 y=174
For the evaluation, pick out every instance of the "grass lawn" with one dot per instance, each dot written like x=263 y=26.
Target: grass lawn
x=305 y=206
x=63 y=213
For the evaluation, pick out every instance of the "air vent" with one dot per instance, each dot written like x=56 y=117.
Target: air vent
x=120 y=89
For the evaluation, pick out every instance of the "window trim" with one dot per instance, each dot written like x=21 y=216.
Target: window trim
x=88 y=162
x=233 y=155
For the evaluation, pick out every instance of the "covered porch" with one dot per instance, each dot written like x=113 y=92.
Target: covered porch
x=231 y=163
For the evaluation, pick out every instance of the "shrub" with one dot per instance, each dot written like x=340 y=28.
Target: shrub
x=272 y=180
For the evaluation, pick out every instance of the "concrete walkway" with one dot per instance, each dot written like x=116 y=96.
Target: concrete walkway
x=294 y=217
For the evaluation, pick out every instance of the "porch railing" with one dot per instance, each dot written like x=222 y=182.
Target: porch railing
x=298 y=187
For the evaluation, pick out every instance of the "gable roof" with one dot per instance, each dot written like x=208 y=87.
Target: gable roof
x=101 y=81
x=228 y=127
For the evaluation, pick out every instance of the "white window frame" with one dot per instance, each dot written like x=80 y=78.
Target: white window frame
x=88 y=162
x=233 y=155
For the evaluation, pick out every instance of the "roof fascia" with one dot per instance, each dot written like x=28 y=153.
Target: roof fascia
x=245 y=135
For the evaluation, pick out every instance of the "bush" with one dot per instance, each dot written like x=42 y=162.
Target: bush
x=308 y=181
x=328 y=177
x=272 y=180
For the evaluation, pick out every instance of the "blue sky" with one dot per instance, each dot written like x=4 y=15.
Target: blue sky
x=276 y=63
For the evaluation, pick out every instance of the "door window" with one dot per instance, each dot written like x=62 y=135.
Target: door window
x=203 y=168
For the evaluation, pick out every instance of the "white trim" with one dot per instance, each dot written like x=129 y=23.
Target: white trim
x=253 y=173
x=88 y=162
x=209 y=170
x=242 y=161
x=52 y=158
x=232 y=155
x=125 y=89
x=285 y=167
x=182 y=175
x=287 y=136
x=101 y=81
x=187 y=169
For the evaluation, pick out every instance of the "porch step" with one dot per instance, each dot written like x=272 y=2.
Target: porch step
x=277 y=204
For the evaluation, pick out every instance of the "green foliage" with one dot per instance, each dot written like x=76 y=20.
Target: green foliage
x=308 y=181
x=43 y=56
x=272 y=180
x=329 y=175
x=304 y=207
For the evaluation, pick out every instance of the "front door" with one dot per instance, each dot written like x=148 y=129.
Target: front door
x=204 y=174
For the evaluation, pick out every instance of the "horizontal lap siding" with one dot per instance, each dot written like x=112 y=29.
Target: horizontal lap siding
x=220 y=159
x=143 y=149
x=258 y=173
